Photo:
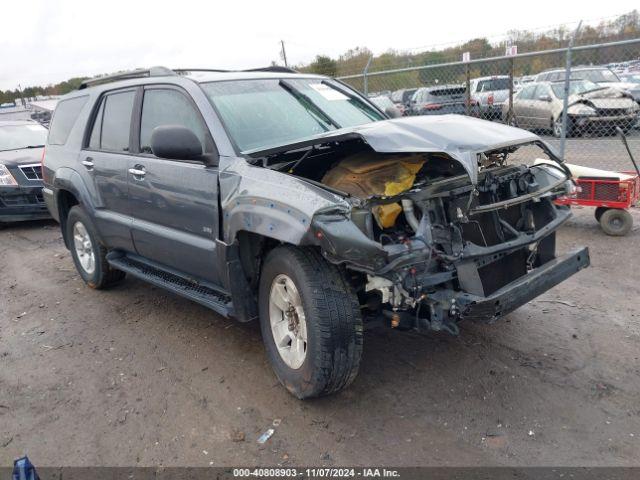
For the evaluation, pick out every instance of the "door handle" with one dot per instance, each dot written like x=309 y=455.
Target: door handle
x=88 y=162
x=138 y=172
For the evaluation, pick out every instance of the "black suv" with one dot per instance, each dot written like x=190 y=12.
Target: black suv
x=293 y=199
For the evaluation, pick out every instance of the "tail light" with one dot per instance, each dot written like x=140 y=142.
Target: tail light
x=490 y=99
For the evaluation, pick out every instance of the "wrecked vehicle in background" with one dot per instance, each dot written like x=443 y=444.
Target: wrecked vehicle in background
x=293 y=199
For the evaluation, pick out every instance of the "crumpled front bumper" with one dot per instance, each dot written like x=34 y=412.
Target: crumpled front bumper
x=524 y=289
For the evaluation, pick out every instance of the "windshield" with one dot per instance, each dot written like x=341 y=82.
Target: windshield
x=270 y=112
x=576 y=87
x=15 y=137
x=598 y=76
x=383 y=102
x=493 y=84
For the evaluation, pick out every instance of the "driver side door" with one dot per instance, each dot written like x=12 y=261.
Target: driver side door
x=173 y=203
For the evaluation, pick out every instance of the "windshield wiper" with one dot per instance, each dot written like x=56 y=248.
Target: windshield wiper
x=306 y=102
x=21 y=148
x=365 y=108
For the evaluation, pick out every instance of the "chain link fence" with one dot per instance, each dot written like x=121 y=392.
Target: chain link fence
x=600 y=82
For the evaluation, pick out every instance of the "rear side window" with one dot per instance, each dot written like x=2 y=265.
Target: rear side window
x=64 y=118
x=170 y=107
x=113 y=123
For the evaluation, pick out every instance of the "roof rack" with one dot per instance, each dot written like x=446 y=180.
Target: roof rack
x=164 y=72
x=138 y=73
x=272 y=68
x=181 y=71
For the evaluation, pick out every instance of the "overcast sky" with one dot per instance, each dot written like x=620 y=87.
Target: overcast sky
x=44 y=42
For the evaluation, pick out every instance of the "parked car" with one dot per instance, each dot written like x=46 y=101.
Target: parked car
x=439 y=100
x=21 y=146
x=292 y=199
x=603 y=76
x=387 y=106
x=592 y=108
x=490 y=94
x=402 y=99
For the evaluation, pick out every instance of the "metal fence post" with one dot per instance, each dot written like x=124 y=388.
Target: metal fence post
x=468 y=90
x=565 y=101
x=510 y=110
x=364 y=76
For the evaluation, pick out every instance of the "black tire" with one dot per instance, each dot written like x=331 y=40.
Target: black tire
x=103 y=275
x=616 y=222
x=333 y=322
x=599 y=211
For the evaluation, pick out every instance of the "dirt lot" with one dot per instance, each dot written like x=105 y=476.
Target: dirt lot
x=137 y=376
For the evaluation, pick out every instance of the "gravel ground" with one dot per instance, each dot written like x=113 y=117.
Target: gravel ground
x=137 y=376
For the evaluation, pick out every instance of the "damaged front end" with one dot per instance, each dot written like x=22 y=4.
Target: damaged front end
x=431 y=239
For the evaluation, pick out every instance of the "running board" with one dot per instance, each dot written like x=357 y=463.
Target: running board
x=172 y=281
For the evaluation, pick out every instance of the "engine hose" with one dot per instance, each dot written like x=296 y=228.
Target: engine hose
x=410 y=214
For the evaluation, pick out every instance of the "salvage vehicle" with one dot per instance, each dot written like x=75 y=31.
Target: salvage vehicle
x=292 y=199
x=490 y=94
x=21 y=146
x=439 y=100
x=602 y=76
x=591 y=109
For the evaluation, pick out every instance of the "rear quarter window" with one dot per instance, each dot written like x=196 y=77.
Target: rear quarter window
x=64 y=118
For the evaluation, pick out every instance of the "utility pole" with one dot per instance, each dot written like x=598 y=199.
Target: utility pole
x=283 y=53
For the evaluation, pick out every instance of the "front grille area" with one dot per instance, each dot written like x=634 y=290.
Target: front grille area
x=21 y=200
x=32 y=172
x=611 y=112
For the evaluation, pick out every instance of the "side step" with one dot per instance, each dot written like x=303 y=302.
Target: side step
x=172 y=281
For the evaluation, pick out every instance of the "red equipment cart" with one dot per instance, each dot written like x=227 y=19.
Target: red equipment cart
x=611 y=196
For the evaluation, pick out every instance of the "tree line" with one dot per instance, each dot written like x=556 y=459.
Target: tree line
x=353 y=61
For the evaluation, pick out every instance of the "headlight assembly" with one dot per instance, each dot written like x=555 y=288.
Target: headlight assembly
x=582 y=110
x=6 y=179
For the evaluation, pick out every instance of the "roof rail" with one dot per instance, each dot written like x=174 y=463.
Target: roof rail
x=181 y=71
x=138 y=73
x=272 y=68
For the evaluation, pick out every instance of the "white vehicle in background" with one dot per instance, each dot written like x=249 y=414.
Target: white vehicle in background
x=489 y=94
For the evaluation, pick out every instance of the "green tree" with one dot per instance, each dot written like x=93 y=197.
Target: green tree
x=324 y=65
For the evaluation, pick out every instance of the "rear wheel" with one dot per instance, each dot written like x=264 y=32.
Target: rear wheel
x=310 y=321
x=616 y=222
x=89 y=255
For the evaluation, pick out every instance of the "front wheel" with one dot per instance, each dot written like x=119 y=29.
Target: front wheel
x=557 y=127
x=310 y=321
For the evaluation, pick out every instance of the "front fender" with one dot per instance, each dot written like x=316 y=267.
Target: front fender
x=269 y=203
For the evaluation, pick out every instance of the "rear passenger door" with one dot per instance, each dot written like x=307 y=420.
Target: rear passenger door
x=173 y=203
x=106 y=159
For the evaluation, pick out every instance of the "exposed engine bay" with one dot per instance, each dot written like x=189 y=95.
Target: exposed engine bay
x=427 y=246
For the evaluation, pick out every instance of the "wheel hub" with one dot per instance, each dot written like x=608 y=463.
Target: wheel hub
x=288 y=322
x=83 y=248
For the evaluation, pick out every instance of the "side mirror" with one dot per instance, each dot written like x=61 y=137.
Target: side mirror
x=175 y=142
x=393 y=111
x=544 y=98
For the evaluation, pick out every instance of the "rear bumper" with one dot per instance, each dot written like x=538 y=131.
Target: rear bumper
x=22 y=203
x=525 y=288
